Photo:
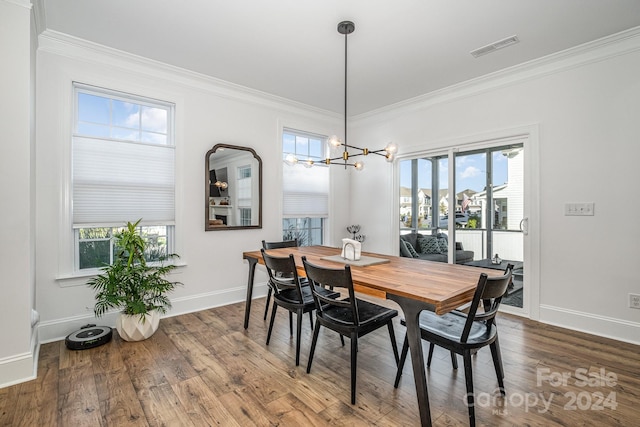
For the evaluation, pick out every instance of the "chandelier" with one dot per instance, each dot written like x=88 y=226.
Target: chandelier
x=335 y=143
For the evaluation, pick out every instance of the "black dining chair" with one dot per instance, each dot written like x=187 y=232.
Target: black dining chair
x=289 y=293
x=349 y=316
x=464 y=333
x=463 y=312
x=276 y=245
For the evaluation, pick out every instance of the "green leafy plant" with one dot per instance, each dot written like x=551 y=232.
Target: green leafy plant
x=129 y=283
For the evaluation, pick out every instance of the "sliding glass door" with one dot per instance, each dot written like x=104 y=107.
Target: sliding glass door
x=490 y=209
x=423 y=195
x=482 y=218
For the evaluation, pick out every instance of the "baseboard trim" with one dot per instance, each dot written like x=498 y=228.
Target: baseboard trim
x=607 y=327
x=17 y=369
x=55 y=330
x=21 y=367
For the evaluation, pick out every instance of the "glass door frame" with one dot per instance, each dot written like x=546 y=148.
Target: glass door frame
x=529 y=135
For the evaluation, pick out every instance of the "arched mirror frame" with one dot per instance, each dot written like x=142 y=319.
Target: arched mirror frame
x=207 y=225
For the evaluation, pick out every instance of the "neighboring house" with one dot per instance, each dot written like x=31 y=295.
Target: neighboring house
x=508 y=197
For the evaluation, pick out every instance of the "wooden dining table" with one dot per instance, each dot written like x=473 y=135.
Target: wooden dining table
x=416 y=285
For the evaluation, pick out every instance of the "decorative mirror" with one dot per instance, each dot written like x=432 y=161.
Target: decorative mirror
x=233 y=188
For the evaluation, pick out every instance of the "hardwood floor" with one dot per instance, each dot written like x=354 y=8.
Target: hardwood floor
x=204 y=369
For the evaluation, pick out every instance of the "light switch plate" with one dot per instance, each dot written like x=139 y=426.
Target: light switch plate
x=579 y=209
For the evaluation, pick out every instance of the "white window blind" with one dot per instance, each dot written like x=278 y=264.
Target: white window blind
x=116 y=181
x=305 y=191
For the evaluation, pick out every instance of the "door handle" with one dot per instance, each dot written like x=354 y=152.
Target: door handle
x=524 y=226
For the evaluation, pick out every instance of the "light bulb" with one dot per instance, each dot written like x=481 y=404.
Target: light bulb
x=359 y=166
x=334 y=141
x=391 y=148
x=389 y=157
x=290 y=159
x=308 y=163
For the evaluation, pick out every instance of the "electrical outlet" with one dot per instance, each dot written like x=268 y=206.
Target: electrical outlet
x=634 y=300
x=579 y=209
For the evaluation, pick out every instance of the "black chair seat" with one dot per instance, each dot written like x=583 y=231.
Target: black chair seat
x=450 y=327
x=369 y=314
x=290 y=296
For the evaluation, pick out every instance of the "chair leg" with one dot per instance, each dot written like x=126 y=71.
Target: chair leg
x=497 y=363
x=273 y=317
x=468 y=379
x=341 y=339
x=311 y=319
x=403 y=357
x=291 y=323
x=266 y=306
x=454 y=360
x=354 y=366
x=316 y=331
x=299 y=316
x=431 y=347
x=392 y=335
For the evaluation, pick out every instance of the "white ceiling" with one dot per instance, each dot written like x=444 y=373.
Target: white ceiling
x=291 y=48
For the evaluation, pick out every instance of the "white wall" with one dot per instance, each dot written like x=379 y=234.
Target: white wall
x=16 y=251
x=588 y=110
x=207 y=112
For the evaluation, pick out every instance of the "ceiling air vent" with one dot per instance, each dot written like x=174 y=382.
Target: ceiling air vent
x=495 y=46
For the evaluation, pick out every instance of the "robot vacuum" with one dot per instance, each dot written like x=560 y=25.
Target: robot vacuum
x=88 y=336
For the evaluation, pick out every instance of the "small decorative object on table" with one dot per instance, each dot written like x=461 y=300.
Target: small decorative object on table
x=354 y=230
x=496 y=260
x=351 y=249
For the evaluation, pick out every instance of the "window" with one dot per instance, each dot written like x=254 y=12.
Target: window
x=308 y=231
x=244 y=195
x=123 y=170
x=305 y=190
x=303 y=145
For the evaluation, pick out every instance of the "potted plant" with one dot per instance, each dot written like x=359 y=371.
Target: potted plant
x=133 y=286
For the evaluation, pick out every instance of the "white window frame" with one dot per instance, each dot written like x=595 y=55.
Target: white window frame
x=170 y=142
x=299 y=197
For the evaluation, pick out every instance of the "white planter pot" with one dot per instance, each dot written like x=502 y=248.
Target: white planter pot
x=133 y=328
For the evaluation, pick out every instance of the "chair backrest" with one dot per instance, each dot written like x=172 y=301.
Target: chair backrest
x=277 y=245
x=488 y=302
x=282 y=273
x=336 y=279
x=489 y=292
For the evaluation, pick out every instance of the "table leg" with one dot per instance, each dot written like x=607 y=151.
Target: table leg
x=247 y=306
x=412 y=309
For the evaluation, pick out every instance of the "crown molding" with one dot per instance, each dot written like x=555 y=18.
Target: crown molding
x=82 y=50
x=39 y=16
x=598 y=50
x=23 y=3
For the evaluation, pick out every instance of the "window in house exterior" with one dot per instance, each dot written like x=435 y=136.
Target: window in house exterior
x=305 y=190
x=123 y=169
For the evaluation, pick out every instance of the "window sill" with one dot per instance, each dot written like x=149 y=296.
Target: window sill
x=79 y=278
